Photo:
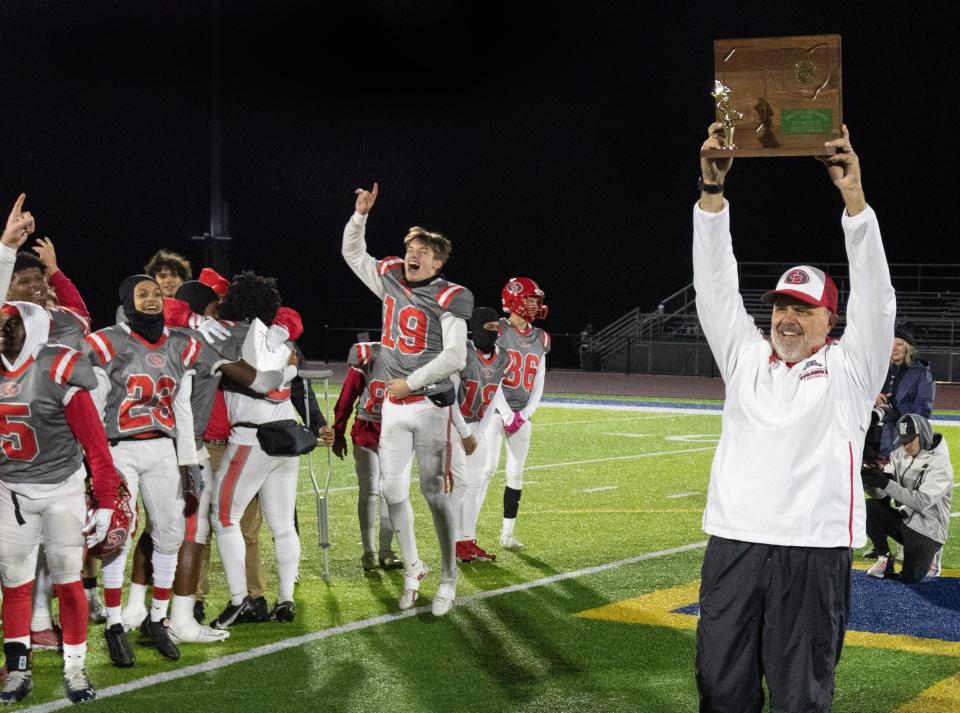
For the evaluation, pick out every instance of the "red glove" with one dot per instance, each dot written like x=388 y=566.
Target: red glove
x=290 y=319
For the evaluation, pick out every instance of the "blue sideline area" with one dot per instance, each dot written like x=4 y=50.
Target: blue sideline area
x=928 y=610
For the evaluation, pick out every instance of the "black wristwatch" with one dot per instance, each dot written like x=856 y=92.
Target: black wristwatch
x=712 y=188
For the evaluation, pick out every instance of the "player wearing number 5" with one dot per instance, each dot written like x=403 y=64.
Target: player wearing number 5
x=424 y=341
x=145 y=375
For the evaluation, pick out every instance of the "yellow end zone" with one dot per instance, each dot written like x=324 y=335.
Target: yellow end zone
x=657 y=609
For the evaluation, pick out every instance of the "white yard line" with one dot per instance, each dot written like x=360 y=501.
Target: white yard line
x=630 y=435
x=680 y=495
x=295 y=641
x=601 y=489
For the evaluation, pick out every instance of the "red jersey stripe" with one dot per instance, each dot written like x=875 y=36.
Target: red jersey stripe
x=229 y=485
x=389 y=263
x=445 y=297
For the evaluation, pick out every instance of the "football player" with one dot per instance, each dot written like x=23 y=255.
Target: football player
x=169 y=269
x=520 y=391
x=47 y=415
x=423 y=342
x=246 y=469
x=364 y=384
x=145 y=379
x=479 y=381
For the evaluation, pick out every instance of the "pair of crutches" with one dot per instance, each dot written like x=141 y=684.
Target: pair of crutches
x=323 y=514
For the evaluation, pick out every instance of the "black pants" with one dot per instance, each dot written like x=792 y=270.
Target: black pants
x=918 y=550
x=770 y=611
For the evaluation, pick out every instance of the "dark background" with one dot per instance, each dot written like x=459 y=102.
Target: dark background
x=546 y=141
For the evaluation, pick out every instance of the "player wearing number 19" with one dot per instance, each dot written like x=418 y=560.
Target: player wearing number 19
x=145 y=375
x=423 y=342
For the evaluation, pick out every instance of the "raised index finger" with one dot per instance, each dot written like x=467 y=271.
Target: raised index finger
x=17 y=206
x=376 y=190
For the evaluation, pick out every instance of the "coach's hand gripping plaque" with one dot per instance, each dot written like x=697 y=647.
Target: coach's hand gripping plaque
x=780 y=96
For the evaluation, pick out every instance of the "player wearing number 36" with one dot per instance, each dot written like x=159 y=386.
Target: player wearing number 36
x=423 y=342
x=145 y=375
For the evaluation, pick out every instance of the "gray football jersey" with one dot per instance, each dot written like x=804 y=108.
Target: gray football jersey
x=37 y=444
x=144 y=378
x=231 y=349
x=67 y=327
x=479 y=380
x=412 y=335
x=527 y=352
x=365 y=356
x=205 y=383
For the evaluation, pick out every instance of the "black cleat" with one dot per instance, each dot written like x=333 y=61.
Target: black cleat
x=284 y=611
x=199 y=612
x=258 y=612
x=79 y=688
x=146 y=636
x=118 y=646
x=161 y=641
x=17 y=686
x=232 y=614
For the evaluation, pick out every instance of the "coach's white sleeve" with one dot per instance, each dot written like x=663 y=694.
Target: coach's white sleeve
x=354 y=251
x=8 y=256
x=451 y=359
x=872 y=304
x=536 y=393
x=183 y=413
x=723 y=318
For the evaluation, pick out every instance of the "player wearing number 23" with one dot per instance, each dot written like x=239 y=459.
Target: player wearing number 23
x=145 y=375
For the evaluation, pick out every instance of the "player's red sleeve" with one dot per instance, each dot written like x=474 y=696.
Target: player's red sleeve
x=290 y=319
x=352 y=388
x=67 y=293
x=84 y=421
x=175 y=312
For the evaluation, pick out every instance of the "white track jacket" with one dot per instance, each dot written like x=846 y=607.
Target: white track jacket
x=787 y=469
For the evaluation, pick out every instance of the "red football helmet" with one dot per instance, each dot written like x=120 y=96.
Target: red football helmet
x=122 y=524
x=515 y=294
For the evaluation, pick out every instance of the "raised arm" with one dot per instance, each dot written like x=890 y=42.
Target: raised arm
x=872 y=305
x=723 y=318
x=354 y=248
x=20 y=224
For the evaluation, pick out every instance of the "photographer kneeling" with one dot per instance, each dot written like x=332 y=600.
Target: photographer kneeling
x=919 y=478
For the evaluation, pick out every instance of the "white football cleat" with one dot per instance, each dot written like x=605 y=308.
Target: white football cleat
x=98 y=612
x=879 y=568
x=411 y=584
x=509 y=542
x=197 y=634
x=133 y=617
x=443 y=601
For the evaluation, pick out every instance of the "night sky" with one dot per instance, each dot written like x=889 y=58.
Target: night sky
x=561 y=144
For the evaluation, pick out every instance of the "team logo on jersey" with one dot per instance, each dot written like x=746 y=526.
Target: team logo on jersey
x=155 y=360
x=525 y=341
x=813 y=369
x=797 y=277
x=486 y=372
x=9 y=389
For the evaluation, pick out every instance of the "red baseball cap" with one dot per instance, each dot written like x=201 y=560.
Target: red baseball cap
x=215 y=281
x=807 y=284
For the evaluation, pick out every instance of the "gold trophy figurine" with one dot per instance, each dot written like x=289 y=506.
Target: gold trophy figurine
x=722 y=94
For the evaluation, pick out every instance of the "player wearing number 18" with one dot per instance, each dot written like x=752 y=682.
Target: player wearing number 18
x=424 y=341
x=145 y=375
x=46 y=415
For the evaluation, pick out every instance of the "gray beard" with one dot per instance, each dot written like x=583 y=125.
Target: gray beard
x=791 y=355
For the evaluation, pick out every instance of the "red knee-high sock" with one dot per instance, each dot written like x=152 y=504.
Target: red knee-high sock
x=17 y=610
x=112 y=597
x=74 y=610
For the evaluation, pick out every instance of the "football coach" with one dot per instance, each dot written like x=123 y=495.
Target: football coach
x=785 y=505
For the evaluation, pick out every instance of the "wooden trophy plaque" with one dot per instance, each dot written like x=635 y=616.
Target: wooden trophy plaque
x=778 y=96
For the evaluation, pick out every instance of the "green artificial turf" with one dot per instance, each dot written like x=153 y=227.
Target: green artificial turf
x=519 y=651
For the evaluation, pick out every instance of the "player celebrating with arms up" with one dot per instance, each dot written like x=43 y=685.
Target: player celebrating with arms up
x=424 y=341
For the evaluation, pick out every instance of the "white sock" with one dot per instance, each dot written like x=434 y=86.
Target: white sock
x=41 y=619
x=74 y=656
x=401 y=515
x=164 y=569
x=181 y=613
x=158 y=609
x=508 y=523
x=137 y=595
x=114 y=616
x=233 y=554
x=287 y=548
